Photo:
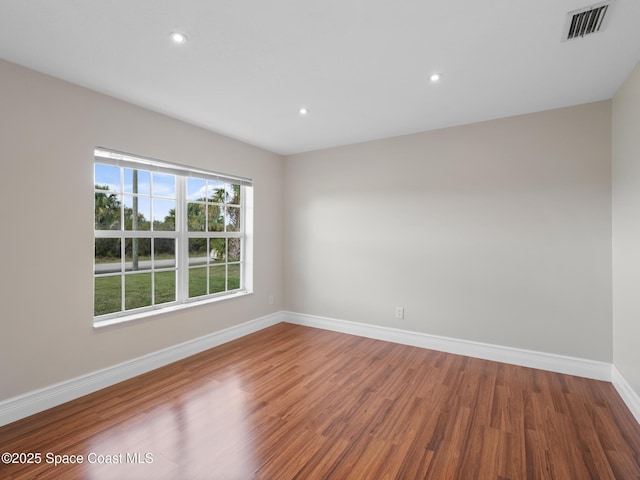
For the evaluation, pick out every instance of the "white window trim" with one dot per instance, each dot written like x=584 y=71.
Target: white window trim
x=119 y=159
x=171 y=307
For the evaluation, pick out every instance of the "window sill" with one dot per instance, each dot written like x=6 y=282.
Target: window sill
x=97 y=324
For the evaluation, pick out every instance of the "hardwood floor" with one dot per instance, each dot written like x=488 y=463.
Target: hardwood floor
x=294 y=402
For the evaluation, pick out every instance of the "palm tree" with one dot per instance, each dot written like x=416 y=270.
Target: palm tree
x=107 y=209
x=195 y=217
x=223 y=196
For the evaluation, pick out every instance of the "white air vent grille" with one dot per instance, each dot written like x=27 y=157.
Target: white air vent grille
x=586 y=20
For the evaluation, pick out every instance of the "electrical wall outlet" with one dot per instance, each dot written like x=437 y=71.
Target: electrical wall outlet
x=400 y=313
x=270 y=299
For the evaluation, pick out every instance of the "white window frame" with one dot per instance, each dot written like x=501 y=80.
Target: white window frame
x=181 y=235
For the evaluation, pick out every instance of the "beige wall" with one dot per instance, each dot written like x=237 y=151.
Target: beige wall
x=48 y=129
x=626 y=230
x=496 y=232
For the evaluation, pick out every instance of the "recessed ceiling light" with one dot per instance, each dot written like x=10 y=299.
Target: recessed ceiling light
x=177 y=37
x=303 y=111
x=435 y=77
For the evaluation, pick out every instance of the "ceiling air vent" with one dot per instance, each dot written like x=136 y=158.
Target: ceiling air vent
x=586 y=21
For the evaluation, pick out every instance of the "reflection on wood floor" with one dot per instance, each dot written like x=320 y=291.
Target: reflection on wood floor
x=295 y=402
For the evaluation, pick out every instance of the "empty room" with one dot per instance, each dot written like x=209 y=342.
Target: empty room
x=347 y=239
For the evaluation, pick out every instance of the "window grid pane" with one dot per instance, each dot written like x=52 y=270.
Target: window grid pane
x=137 y=234
x=137 y=290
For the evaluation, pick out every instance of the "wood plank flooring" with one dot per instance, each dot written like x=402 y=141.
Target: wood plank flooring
x=291 y=402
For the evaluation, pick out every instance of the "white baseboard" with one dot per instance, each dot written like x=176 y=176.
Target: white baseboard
x=515 y=356
x=629 y=396
x=527 y=358
x=36 y=401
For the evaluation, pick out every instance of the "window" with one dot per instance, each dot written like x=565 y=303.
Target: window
x=166 y=236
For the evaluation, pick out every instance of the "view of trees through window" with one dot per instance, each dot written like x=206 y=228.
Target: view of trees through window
x=141 y=225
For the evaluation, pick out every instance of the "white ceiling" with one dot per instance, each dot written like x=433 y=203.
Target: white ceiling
x=360 y=66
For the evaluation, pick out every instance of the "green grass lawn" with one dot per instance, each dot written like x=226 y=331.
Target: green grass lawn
x=108 y=290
